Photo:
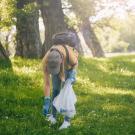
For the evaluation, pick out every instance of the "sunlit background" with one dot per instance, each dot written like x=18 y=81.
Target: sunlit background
x=111 y=20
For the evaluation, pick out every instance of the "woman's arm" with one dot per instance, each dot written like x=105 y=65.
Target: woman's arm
x=46 y=84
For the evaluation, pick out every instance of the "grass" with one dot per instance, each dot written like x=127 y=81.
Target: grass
x=105 y=91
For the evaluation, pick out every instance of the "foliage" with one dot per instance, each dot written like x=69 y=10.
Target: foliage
x=115 y=34
x=83 y=9
x=110 y=39
x=128 y=33
x=7 y=22
x=114 y=25
x=7 y=13
x=104 y=88
x=72 y=22
x=28 y=9
x=78 y=11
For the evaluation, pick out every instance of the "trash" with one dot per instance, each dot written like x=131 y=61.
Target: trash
x=65 y=101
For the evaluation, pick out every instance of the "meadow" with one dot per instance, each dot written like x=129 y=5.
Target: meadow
x=105 y=90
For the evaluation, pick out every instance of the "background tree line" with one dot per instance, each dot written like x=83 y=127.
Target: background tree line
x=109 y=33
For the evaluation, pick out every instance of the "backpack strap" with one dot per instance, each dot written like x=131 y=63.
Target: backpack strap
x=67 y=54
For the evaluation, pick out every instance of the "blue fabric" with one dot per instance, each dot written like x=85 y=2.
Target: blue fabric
x=71 y=75
x=57 y=84
x=46 y=106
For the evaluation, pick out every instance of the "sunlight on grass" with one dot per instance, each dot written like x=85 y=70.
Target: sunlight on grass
x=21 y=66
x=133 y=61
x=105 y=90
x=25 y=70
x=83 y=81
x=117 y=108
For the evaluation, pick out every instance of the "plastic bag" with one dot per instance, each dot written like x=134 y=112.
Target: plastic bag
x=65 y=101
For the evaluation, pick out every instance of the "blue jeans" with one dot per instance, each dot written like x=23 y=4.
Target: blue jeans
x=57 y=84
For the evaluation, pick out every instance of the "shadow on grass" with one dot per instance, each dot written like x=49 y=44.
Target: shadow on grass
x=18 y=91
x=5 y=64
x=9 y=78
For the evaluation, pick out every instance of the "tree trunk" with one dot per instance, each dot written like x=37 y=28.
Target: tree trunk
x=3 y=54
x=91 y=39
x=53 y=19
x=4 y=59
x=28 y=36
x=82 y=44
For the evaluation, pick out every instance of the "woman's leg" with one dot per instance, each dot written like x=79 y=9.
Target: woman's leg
x=71 y=75
x=56 y=83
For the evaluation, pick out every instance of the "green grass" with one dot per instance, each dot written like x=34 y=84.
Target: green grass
x=105 y=91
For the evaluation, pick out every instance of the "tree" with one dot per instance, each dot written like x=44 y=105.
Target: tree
x=6 y=21
x=91 y=39
x=53 y=19
x=128 y=33
x=28 y=37
x=7 y=10
x=84 y=9
x=115 y=25
x=3 y=54
x=4 y=59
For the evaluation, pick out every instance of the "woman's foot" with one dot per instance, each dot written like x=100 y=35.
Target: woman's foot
x=52 y=119
x=65 y=125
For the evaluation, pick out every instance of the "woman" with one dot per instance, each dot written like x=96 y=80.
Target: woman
x=60 y=62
